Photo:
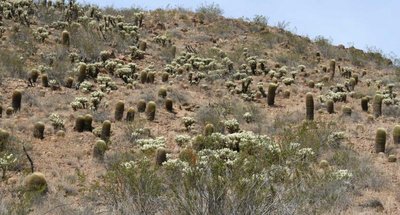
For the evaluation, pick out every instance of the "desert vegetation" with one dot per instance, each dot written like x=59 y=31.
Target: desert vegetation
x=128 y=111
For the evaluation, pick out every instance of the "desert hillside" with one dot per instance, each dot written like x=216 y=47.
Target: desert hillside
x=106 y=111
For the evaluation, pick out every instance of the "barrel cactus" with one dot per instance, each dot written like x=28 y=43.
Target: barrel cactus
x=130 y=115
x=169 y=105
x=380 y=140
x=346 y=110
x=309 y=106
x=88 y=119
x=396 y=134
x=119 y=110
x=45 y=81
x=80 y=124
x=271 y=94
x=106 y=130
x=16 y=100
x=330 y=106
x=38 y=130
x=35 y=182
x=208 y=129
x=65 y=38
x=161 y=156
x=141 y=106
x=151 y=110
x=364 y=104
x=377 y=107
x=100 y=149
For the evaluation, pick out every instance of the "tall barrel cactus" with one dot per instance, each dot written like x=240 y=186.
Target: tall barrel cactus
x=396 y=134
x=377 y=105
x=119 y=110
x=106 y=130
x=88 y=119
x=271 y=94
x=65 y=38
x=80 y=124
x=332 y=68
x=161 y=156
x=330 y=106
x=16 y=100
x=169 y=105
x=364 y=104
x=309 y=106
x=151 y=111
x=380 y=140
x=141 y=106
x=130 y=115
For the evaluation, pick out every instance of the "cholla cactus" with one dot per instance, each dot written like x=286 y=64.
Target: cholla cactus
x=248 y=117
x=188 y=122
x=182 y=140
x=86 y=87
x=232 y=126
x=6 y=162
x=56 y=121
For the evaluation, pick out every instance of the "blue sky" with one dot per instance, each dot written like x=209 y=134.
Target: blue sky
x=362 y=23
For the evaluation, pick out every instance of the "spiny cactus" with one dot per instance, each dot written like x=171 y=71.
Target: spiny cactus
x=9 y=111
x=130 y=115
x=65 y=38
x=310 y=106
x=99 y=149
x=141 y=106
x=143 y=77
x=332 y=68
x=330 y=106
x=16 y=100
x=380 y=140
x=38 y=130
x=364 y=104
x=271 y=94
x=4 y=136
x=151 y=110
x=35 y=182
x=88 y=119
x=169 y=105
x=69 y=82
x=33 y=76
x=106 y=130
x=151 y=76
x=82 y=72
x=165 y=77
x=142 y=46
x=80 y=124
x=377 y=105
x=1 y=111
x=161 y=156
x=119 y=110
x=208 y=129
x=45 y=80
x=346 y=110
x=162 y=92
x=396 y=134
